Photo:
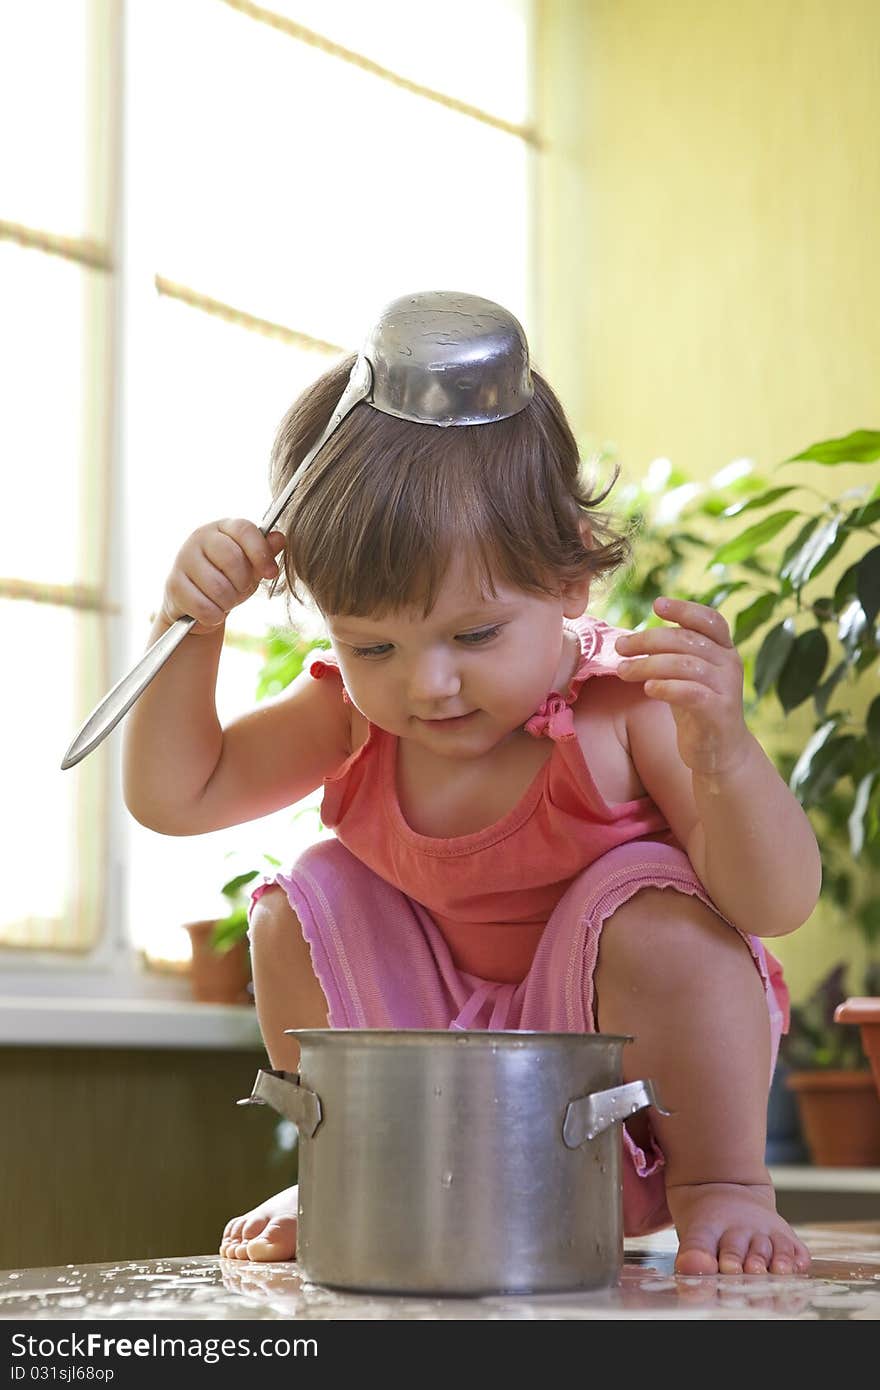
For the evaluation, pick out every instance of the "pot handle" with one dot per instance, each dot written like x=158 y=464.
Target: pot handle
x=591 y=1115
x=284 y=1091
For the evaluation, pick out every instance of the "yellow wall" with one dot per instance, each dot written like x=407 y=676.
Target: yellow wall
x=709 y=197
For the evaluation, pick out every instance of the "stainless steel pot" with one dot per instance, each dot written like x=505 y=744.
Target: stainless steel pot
x=457 y=1162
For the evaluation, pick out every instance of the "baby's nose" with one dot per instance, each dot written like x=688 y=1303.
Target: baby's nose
x=433 y=681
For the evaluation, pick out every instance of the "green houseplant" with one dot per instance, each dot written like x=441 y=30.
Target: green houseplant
x=800 y=639
x=806 y=644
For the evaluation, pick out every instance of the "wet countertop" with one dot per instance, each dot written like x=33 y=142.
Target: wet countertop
x=844 y=1282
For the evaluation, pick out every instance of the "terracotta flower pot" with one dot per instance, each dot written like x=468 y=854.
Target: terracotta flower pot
x=865 y=1013
x=840 y=1117
x=218 y=977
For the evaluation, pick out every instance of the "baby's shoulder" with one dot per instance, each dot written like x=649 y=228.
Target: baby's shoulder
x=603 y=695
x=602 y=713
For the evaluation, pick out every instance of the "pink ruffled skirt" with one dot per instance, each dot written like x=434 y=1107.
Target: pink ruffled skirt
x=382 y=963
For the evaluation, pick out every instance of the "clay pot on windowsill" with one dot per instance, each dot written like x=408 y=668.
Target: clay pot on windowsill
x=218 y=977
x=840 y=1117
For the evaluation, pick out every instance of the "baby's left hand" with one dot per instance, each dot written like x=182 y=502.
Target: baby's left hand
x=697 y=670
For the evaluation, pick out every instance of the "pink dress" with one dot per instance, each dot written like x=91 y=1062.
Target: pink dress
x=498 y=929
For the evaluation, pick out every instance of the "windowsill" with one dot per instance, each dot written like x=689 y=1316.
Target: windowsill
x=43 y=1021
x=804 y=1177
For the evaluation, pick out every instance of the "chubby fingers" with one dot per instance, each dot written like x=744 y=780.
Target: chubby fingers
x=217 y=567
x=696 y=617
x=247 y=553
x=695 y=658
x=693 y=651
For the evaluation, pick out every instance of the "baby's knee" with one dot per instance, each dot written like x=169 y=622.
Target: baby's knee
x=272 y=915
x=660 y=935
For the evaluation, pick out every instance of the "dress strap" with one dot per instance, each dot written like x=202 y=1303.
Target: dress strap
x=554 y=718
x=320 y=665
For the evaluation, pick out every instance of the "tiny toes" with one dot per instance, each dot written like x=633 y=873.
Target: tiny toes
x=782 y=1262
x=758 y=1256
x=231 y=1237
x=754 y=1264
x=732 y=1249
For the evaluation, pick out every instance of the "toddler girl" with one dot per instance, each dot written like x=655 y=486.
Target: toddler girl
x=542 y=821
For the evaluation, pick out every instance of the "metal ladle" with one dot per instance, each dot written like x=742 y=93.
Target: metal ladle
x=437 y=358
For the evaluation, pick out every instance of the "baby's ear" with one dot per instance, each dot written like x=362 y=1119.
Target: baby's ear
x=576 y=596
x=586 y=531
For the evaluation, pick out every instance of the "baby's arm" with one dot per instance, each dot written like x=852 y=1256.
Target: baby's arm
x=749 y=839
x=182 y=773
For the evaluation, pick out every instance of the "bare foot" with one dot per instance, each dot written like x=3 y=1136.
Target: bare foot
x=730 y=1228
x=266 y=1233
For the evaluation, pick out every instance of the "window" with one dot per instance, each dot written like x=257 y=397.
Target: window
x=280 y=174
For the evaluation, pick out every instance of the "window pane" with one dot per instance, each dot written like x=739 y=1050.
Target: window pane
x=51 y=354
x=53 y=858
x=45 y=89
x=205 y=453
x=475 y=52
x=308 y=192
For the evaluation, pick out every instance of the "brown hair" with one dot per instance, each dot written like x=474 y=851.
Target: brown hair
x=373 y=520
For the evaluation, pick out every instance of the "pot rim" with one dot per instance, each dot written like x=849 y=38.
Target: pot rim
x=411 y=1037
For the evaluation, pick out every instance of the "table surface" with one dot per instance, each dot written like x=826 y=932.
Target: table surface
x=844 y=1282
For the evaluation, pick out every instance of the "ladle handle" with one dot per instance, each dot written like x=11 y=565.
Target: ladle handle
x=123 y=695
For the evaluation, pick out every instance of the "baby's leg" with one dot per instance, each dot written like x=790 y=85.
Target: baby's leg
x=287 y=995
x=683 y=983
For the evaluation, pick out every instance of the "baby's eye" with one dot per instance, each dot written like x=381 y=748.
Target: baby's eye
x=471 y=639
x=477 y=637
x=368 y=651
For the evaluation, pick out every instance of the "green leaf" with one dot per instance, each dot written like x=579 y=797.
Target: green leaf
x=856 y=822
x=831 y=762
x=803 y=669
x=868 y=583
x=872 y=724
x=824 y=692
x=753 y=538
x=763 y=500
x=851 y=628
x=817 y=741
x=287 y=654
x=865 y=515
x=796 y=546
x=759 y=611
x=229 y=930
x=845 y=588
x=862 y=446
x=233 y=887
x=805 y=560
x=714 y=597
x=772 y=655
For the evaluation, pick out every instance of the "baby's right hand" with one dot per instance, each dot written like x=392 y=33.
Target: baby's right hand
x=217 y=567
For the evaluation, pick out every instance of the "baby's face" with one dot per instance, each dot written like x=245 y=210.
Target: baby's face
x=494 y=661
